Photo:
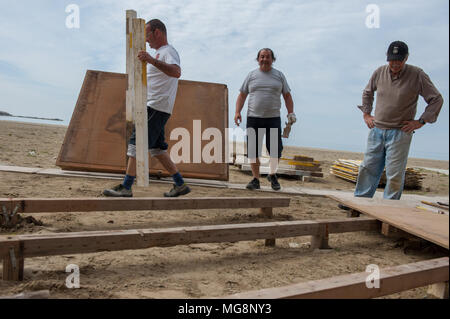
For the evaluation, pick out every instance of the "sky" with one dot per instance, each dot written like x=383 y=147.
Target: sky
x=326 y=49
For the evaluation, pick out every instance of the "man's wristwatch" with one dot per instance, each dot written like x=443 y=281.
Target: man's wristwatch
x=421 y=121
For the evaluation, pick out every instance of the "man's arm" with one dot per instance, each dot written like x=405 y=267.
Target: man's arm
x=289 y=102
x=172 y=70
x=367 y=101
x=239 y=106
x=434 y=99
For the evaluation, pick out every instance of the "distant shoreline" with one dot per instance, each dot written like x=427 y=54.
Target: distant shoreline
x=2 y=113
x=32 y=123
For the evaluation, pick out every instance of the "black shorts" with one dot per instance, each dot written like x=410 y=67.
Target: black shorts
x=257 y=127
x=156 y=124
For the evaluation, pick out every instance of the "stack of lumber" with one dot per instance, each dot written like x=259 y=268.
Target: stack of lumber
x=348 y=170
x=413 y=179
x=296 y=165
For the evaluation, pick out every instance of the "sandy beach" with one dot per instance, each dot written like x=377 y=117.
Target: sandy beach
x=198 y=270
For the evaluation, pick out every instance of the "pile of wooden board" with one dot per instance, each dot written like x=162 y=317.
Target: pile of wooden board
x=293 y=166
x=348 y=170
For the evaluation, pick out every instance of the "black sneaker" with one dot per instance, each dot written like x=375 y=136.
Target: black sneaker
x=178 y=190
x=118 y=191
x=253 y=184
x=274 y=182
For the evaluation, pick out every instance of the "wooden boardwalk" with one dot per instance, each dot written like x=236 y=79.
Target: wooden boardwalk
x=427 y=225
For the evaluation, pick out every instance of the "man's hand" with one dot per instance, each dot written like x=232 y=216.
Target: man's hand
x=369 y=119
x=291 y=118
x=411 y=126
x=144 y=56
x=237 y=119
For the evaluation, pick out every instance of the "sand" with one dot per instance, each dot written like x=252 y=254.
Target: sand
x=200 y=270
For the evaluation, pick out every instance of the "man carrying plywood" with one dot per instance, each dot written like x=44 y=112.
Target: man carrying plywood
x=162 y=75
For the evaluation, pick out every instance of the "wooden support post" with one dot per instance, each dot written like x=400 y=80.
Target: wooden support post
x=267 y=212
x=439 y=290
x=386 y=229
x=353 y=213
x=13 y=263
x=130 y=15
x=140 y=93
x=393 y=232
x=320 y=241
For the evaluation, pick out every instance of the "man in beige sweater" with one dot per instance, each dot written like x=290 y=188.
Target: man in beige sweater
x=398 y=86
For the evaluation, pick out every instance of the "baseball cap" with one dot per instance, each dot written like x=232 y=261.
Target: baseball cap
x=397 y=51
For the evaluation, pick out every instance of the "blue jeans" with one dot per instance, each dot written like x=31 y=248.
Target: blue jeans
x=384 y=147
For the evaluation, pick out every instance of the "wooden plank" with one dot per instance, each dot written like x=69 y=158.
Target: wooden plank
x=431 y=227
x=96 y=133
x=140 y=103
x=130 y=15
x=353 y=286
x=40 y=294
x=112 y=176
x=194 y=104
x=96 y=137
x=130 y=94
x=54 y=205
x=96 y=241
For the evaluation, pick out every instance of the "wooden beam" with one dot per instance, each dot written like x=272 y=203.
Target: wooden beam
x=40 y=294
x=353 y=286
x=54 y=205
x=130 y=95
x=140 y=106
x=97 y=241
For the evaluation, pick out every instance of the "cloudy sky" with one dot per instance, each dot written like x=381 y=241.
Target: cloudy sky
x=324 y=48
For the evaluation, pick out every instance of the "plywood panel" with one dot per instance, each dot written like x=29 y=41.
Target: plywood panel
x=427 y=225
x=95 y=139
x=207 y=102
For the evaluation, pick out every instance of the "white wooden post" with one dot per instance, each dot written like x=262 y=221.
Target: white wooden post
x=131 y=14
x=140 y=107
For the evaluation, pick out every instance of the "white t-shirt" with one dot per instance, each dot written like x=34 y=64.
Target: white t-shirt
x=161 y=88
